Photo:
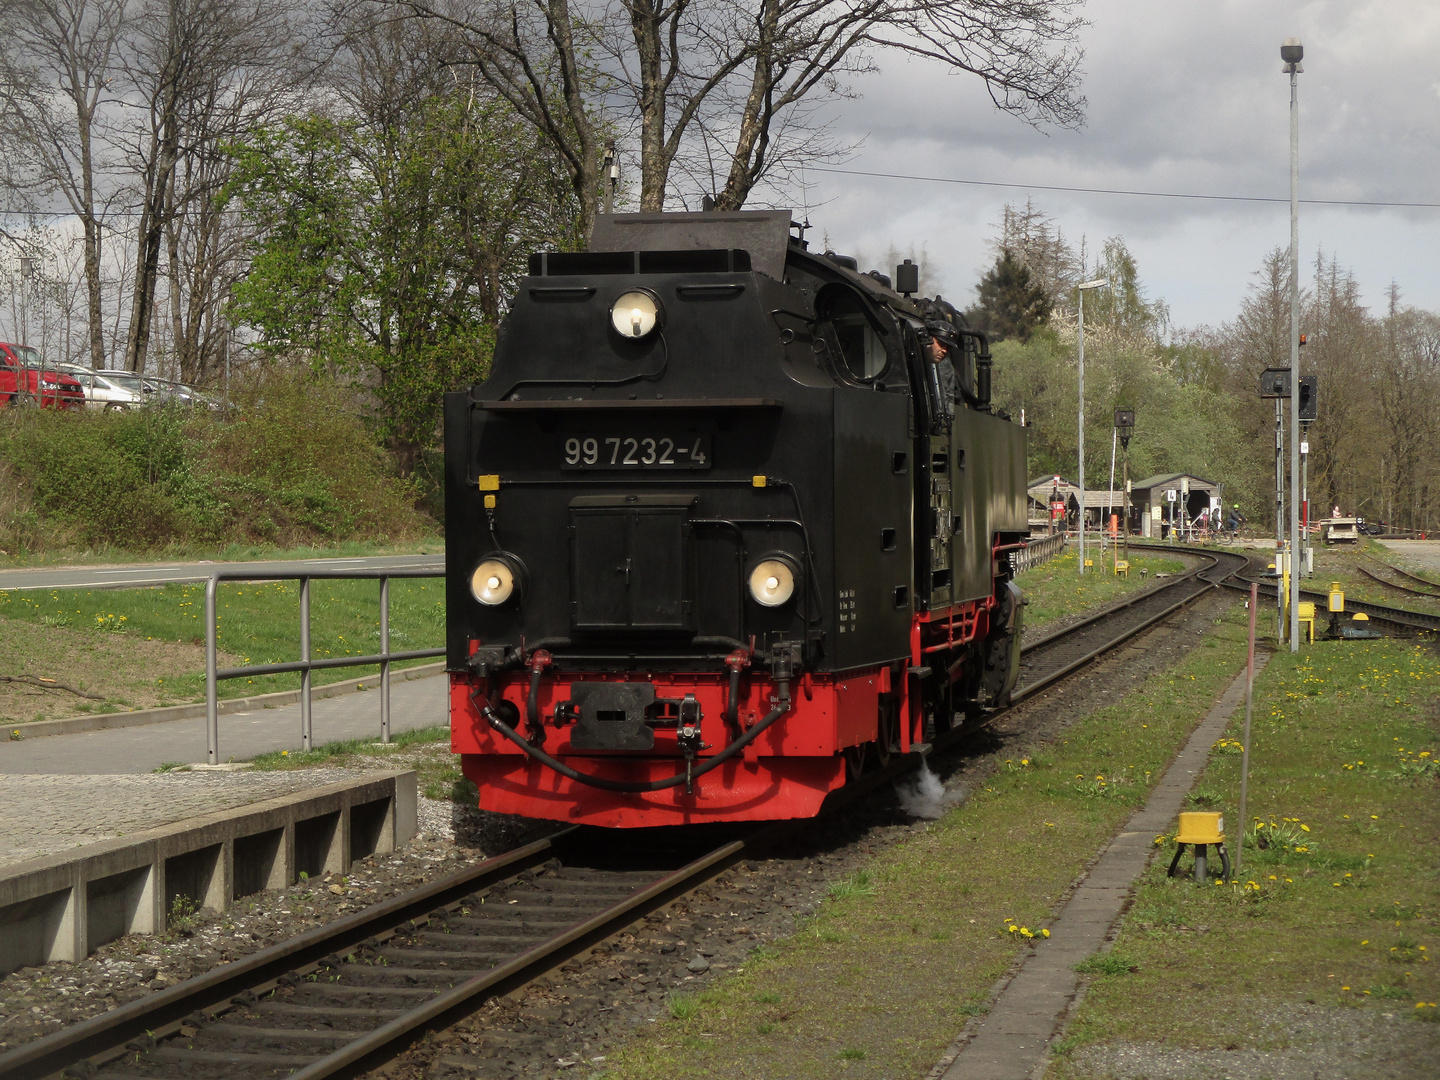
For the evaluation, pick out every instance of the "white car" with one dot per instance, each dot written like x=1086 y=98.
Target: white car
x=109 y=390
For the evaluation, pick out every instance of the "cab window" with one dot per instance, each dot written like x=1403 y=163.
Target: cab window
x=857 y=349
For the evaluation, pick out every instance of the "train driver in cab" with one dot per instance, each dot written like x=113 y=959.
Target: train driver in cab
x=940 y=349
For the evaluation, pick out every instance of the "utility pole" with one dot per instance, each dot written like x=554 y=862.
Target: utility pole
x=1292 y=52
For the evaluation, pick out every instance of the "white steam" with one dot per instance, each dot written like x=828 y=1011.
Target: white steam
x=924 y=796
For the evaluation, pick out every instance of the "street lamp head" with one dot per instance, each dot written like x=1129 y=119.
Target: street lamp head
x=1292 y=52
x=1098 y=283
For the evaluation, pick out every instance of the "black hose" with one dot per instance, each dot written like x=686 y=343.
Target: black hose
x=731 y=715
x=725 y=755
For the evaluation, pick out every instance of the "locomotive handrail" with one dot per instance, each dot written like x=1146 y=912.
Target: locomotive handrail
x=306 y=664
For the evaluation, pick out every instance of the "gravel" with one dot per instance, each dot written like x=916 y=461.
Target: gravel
x=1338 y=1044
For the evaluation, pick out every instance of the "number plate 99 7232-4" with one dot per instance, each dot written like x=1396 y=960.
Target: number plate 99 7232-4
x=636 y=452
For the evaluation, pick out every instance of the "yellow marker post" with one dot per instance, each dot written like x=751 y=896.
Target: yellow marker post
x=1201 y=830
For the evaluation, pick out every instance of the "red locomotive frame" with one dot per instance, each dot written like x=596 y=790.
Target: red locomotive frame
x=785 y=773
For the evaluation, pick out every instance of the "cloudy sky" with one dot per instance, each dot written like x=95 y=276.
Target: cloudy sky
x=1184 y=96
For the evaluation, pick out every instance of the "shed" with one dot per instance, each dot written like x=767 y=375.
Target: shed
x=1041 y=489
x=1160 y=513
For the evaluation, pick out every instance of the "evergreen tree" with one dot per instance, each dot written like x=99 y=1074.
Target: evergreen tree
x=1011 y=304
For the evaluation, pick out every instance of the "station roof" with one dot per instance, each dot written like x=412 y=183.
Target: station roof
x=1165 y=480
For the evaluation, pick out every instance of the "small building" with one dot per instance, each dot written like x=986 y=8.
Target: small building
x=1167 y=502
x=1044 y=489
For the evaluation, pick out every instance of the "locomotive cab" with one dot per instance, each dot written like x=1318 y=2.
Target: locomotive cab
x=719 y=534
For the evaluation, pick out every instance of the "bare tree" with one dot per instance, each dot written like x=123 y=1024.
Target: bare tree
x=684 y=69
x=203 y=72
x=57 y=59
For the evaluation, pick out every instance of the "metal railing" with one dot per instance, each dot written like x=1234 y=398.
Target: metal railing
x=306 y=664
x=1036 y=552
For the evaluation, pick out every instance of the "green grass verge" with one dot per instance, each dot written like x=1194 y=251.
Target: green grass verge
x=427 y=750
x=1056 y=588
x=1340 y=909
x=886 y=973
x=231 y=552
x=259 y=623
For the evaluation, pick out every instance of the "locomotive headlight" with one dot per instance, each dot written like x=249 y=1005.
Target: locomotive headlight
x=772 y=581
x=497 y=580
x=636 y=314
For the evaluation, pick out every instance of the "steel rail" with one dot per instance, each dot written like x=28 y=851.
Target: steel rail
x=1034 y=686
x=1409 y=620
x=1398 y=587
x=1404 y=573
x=103 y=1038
x=445 y=1008
x=162 y=1011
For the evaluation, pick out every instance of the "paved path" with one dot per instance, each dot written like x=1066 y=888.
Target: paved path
x=120 y=577
x=45 y=815
x=1010 y=1042
x=416 y=704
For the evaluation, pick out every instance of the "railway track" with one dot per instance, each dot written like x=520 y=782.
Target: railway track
x=1408 y=590
x=1056 y=655
x=344 y=998
x=347 y=996
x=1397 y=617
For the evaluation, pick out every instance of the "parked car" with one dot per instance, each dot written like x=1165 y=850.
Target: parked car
x=170 y=390
x=110 y=392
x=25 y=379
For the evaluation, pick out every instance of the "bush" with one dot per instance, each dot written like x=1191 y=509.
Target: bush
x=291 y=464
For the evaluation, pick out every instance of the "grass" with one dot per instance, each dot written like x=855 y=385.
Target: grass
x=230 y=552
x=426 y=750
x=1339 y=908
x=163 y=630
x=892 y=971
x=1056 y=589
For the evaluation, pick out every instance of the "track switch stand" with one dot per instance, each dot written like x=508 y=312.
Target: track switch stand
x=1202 y=831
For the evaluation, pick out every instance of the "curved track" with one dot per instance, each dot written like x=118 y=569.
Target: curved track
x=344 y=998
x=1056 y=655
x=1397 y=586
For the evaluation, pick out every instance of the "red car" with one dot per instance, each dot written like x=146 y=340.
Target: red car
x=25 y=380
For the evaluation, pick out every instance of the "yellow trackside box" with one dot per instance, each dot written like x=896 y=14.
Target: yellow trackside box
x=1201 y=829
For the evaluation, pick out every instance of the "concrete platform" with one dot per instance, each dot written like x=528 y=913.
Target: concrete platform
x=65 y=904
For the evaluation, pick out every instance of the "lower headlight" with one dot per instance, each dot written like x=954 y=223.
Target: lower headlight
x=498 y=580
x=772 y=582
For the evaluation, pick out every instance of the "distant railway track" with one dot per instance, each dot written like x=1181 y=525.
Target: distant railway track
x=1408 y=590
x=344 y=998
x=1398 y=617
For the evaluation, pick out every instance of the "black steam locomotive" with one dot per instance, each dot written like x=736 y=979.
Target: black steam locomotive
x=728 y=520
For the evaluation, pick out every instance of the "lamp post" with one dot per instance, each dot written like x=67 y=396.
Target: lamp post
x=610 y=175
x=1125 y=427
x=1098 y=283
x=1292 y=52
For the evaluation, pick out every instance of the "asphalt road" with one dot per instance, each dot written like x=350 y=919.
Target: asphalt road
x=128 y=577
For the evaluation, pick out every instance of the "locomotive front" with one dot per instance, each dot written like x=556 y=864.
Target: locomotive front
x=681 y=532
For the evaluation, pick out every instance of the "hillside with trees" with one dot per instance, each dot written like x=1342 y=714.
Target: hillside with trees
x=1195 y=391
